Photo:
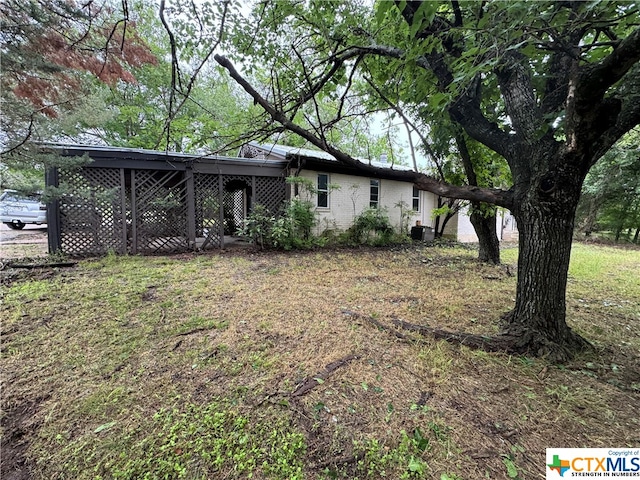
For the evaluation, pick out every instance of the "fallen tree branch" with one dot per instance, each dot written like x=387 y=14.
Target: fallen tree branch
x=378 y=324
x=195 y=330
x=41 y=265
x=312 y=382
x=500 y=343
x=334 y=462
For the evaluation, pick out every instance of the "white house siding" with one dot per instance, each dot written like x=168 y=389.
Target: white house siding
x=353 y=196
x=462 y=229
x=465 y=231
x=428 y=202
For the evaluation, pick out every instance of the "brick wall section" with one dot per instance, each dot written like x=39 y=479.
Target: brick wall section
x=353 y=196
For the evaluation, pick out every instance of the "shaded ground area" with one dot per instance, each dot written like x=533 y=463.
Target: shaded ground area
x=94 y=356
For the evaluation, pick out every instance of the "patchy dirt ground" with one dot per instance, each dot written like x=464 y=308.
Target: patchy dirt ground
x=91 y=354
x=28 y=242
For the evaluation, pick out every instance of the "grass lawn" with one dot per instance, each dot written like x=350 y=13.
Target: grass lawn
x=264 y=365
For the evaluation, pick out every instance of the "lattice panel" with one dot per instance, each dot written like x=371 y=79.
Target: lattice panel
x=91 y=217
x=160 y=211
x=271 y=193
x=207 y=200
x=236 y=202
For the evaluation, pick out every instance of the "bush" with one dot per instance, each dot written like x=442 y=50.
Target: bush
x=258 y=226
x=290 y=230
x=371 y=227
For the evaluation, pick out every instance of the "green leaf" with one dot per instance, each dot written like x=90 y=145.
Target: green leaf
x=105 y=426
x=512 y=471
x=382 y=8
x=416 y=465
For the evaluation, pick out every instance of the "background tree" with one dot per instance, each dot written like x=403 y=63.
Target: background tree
x=208 y=114
x=548 y=86
x=50 y=51
x=611 y=192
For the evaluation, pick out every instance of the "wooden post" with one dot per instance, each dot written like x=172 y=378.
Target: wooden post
x=221 y=210
x=123 y=211
x=54 y=236
x=134 y=217
x=191 y=209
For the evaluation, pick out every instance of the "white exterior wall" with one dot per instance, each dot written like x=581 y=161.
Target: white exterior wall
x=505 y=226
x=353 y=196
x=451 y=230
x=466 y=232
x=428 y=202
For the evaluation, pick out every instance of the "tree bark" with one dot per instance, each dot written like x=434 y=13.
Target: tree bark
x=488 y=242
x=538 y=321
x=485 y=227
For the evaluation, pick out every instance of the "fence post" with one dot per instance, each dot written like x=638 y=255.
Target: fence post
x=123 y=211
x=134 y=216
x=221 y=210
x=191 y=209
x=52 y=179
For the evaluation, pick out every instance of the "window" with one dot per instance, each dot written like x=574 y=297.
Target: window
x=374 y=195
x=323 y=190
x=416 y=199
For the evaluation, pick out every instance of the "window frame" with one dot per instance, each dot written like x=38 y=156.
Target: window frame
x=374 y=198
x=415 y=199
x=322 y=191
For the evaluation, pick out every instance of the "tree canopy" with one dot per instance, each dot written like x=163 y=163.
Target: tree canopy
x=49 y=47
x=548 y=86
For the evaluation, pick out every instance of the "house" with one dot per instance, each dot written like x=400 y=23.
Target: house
x=343 y=192
x=140 y=201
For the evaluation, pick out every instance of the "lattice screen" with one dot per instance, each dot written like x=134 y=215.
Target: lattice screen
x=207 y=198
x=91 y=217
x=145 y=211
x=270 y=192
x=160 y=211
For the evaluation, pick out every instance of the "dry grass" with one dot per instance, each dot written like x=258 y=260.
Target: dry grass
x=92 y=354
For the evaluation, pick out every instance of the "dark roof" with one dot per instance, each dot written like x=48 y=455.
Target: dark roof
x=122 y=157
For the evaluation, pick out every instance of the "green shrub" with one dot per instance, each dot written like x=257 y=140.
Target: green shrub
x=290 y=230
x=258 y=226
x=371 y=227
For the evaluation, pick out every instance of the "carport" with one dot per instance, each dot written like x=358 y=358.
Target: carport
x=143 y=202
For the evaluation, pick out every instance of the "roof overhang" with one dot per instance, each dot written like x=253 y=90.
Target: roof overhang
x=133 y=158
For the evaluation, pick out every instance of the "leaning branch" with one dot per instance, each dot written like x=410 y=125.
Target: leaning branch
x=493 y=196
x=595 y=80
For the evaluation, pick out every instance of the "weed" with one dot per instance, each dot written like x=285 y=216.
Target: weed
x=403 y=461
x=214 y=440
x=181 y=367
x=509 y=463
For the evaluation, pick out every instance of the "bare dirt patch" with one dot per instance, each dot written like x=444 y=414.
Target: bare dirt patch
x=101 y=349
x=29 y=242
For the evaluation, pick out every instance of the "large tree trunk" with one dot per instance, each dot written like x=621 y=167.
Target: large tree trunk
x=538 y=322
x=488 y=242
